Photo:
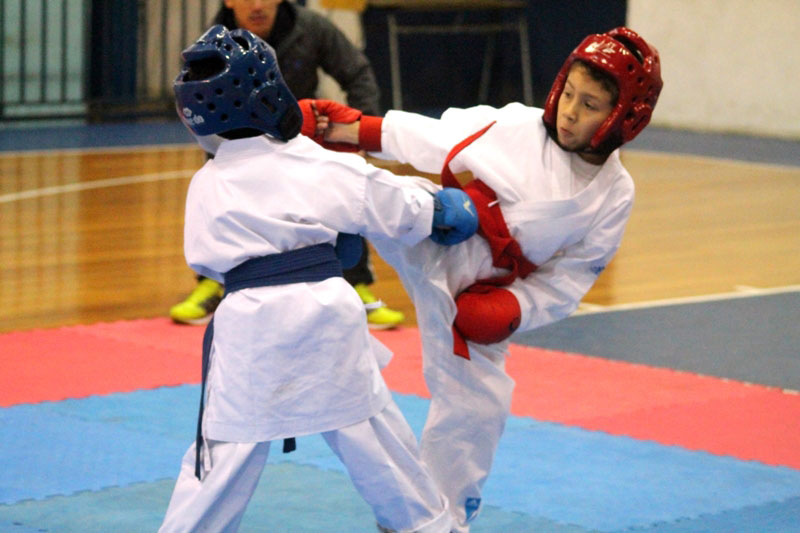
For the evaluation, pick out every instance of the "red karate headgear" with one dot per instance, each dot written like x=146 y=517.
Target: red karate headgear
x=636 y=68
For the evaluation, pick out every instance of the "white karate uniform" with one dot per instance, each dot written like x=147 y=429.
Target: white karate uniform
x=295 y=359
x=568 y=217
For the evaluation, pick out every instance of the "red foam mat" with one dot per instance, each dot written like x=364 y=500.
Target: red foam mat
x=670 y=407
x=763 y=425
x=157 y=333
x=567 y=387
x=55 y=364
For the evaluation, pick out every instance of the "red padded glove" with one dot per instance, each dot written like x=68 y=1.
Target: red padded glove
x=335 y=112
x=487 y=314
x=309 y=128
x=369 y=128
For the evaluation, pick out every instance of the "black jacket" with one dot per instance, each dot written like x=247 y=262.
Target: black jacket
x=303 y=41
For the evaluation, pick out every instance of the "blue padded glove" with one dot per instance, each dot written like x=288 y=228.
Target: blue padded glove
x=455 y=218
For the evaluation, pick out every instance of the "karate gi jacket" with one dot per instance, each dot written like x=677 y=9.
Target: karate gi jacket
x=569 y=228
x=290 y=360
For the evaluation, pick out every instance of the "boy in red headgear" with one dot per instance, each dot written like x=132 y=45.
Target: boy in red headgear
x=553 y=199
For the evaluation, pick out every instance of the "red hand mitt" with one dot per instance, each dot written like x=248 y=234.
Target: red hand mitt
x=487 y=314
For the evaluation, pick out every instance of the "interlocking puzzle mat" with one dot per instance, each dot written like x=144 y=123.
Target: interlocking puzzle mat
x=96 y=418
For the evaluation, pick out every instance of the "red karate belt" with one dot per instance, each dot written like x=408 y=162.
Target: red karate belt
x=506 y=251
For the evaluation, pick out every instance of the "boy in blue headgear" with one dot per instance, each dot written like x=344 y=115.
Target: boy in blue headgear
x=288 y=352
x=304 y=42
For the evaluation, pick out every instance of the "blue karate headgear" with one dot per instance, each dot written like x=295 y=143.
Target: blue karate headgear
x=230 y=80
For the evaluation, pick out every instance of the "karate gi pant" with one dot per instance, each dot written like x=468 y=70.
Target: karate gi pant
x=470 y=398
x=380 y=455
x=470 y=403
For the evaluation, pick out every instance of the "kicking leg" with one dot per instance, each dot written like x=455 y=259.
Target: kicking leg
x=470 y=401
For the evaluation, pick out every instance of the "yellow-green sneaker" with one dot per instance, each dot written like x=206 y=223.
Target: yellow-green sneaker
x=378 y=315
x=199 y=307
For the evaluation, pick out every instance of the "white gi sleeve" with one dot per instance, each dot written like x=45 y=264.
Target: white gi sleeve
x=556 y=288
x=409 y=220
x=425 y=142
x=390 y=206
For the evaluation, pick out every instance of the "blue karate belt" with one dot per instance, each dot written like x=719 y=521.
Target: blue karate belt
x=313 y=263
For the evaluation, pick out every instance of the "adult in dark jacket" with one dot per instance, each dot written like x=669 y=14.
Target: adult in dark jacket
x=303 y=42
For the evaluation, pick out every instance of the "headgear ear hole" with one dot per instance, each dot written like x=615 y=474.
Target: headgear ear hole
x=632 y=48
x=241 y=41
x=203 y=69
x=268 y=104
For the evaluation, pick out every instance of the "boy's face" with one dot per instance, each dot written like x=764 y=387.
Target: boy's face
x=583 y=106
x=257 y=16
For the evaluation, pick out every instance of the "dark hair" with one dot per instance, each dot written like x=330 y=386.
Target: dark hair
x=225 y=17
x=284 y=21
x=605 y=79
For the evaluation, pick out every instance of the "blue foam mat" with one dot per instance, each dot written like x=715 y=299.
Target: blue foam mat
x=290 y=498
x=545 y=473
x=19 y=527
x=773 y=517
x=720 y=145
x=45 y=453
x=729 y=338
x=598 y=481
x=609 y=483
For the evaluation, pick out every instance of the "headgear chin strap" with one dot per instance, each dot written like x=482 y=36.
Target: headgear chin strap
x=636 y=68
x=230 y=80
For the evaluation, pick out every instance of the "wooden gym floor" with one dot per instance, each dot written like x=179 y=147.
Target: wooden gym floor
x=90 y=235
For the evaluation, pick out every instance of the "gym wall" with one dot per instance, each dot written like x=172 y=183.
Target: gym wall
x=729 y=66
